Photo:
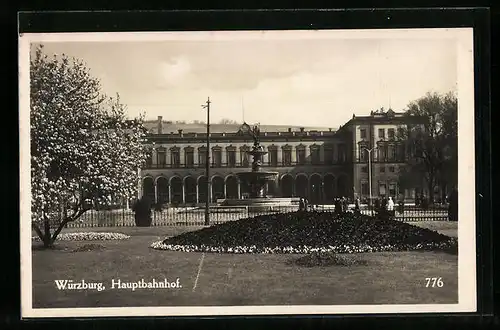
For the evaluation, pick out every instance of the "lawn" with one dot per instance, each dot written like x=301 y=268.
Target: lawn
x=229 y=279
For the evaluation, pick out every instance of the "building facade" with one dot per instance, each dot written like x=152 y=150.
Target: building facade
x=317 y=163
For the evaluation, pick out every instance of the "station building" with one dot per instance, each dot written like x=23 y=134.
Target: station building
x=319 y=163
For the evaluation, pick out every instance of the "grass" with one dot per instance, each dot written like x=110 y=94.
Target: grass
x=228 y=279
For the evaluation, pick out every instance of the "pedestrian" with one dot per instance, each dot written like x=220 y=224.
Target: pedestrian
x=301 y=204
x=357 y=208
x=390 y=207
x=338 y=206
x=306 y=204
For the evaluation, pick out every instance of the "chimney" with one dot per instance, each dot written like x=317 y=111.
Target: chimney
x=302 y=129
x=289 y=129
x=330 y=129
x=180 y=132
x=160 y=125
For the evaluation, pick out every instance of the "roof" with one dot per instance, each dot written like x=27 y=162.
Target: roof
x=152 y=126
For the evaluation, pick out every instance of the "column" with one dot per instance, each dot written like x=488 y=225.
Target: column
x=156 y=191
x=183 y=192
x=239 y=190
x=169 y=193
x=225 y=190
x=195 y=156
x=223 y=157
x=197 y=193
x=182 y=160
x=209 y=190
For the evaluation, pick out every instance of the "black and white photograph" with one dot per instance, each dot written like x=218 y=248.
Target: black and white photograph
x=247 y=172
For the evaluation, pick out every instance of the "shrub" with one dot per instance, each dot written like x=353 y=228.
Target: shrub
x=142 y=212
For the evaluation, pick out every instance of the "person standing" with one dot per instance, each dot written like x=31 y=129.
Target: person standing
x=390 y=207
x=357 y=208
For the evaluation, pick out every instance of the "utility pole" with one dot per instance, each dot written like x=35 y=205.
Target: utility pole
x=207 y=164
x=369 y=151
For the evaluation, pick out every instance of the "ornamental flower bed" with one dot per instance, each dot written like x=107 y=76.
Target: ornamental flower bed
x=88 y=236
x=308 y=232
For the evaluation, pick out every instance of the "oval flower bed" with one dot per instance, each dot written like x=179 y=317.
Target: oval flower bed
x=308 y=232
x=88 y=236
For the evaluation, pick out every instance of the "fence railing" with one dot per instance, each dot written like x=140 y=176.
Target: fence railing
x=195 y=216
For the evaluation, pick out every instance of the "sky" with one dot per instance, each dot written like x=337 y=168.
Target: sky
x=318 y=81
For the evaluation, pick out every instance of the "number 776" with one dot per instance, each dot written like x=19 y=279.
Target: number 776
x=434 y=282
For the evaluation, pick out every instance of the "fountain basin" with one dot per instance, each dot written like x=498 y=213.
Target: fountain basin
x=264 y=204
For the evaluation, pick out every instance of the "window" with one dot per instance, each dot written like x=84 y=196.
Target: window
x=231 y=158
x=392 y=169
x=287 y=157
x=362 y=133
x=382 y=189
x=382 y=169
x=161 y=157
x=301 y=155
x=273 y=157
x=328 y=154
x=217 y=157
x=189 y=157
x=400 y=133
x=364 y=169
x=381 y=133
x=391 y=153
x=401 y=152
x=363 y=153
x=202 y=156
x=244 y=156
x=175 y=156
x=390 y=133
x=315 y=157
x=392 y=189
x=365 y=188
x=382 y=153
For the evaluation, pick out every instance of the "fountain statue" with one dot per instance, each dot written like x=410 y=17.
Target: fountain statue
x=256 y=179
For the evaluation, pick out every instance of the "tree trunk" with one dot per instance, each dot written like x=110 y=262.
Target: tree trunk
x=430 y=187
x=47 y=238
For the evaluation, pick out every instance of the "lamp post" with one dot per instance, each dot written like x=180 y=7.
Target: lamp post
x=207 y=164
x=370 y=174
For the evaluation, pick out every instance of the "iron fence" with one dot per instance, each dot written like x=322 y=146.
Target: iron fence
x=195 y=216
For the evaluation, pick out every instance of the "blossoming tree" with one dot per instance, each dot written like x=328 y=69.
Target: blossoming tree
x=84 y=150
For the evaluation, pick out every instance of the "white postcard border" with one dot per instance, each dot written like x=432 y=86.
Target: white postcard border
x=466 y=170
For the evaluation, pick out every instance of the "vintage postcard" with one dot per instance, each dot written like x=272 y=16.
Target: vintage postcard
x=247 y=173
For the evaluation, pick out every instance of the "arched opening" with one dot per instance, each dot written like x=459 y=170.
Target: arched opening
x=217 y=188
x=329 y=188
x=190 y=190
x=286 y=186
x=176 y=189
x=342 y=186
x=148 y=189
x=315 y=189
x=202 y=189
x=301 y=186
x=232 y=187
x=271 y=189
x=162 y=189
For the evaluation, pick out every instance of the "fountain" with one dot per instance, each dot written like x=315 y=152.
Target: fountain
x=256 y=180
